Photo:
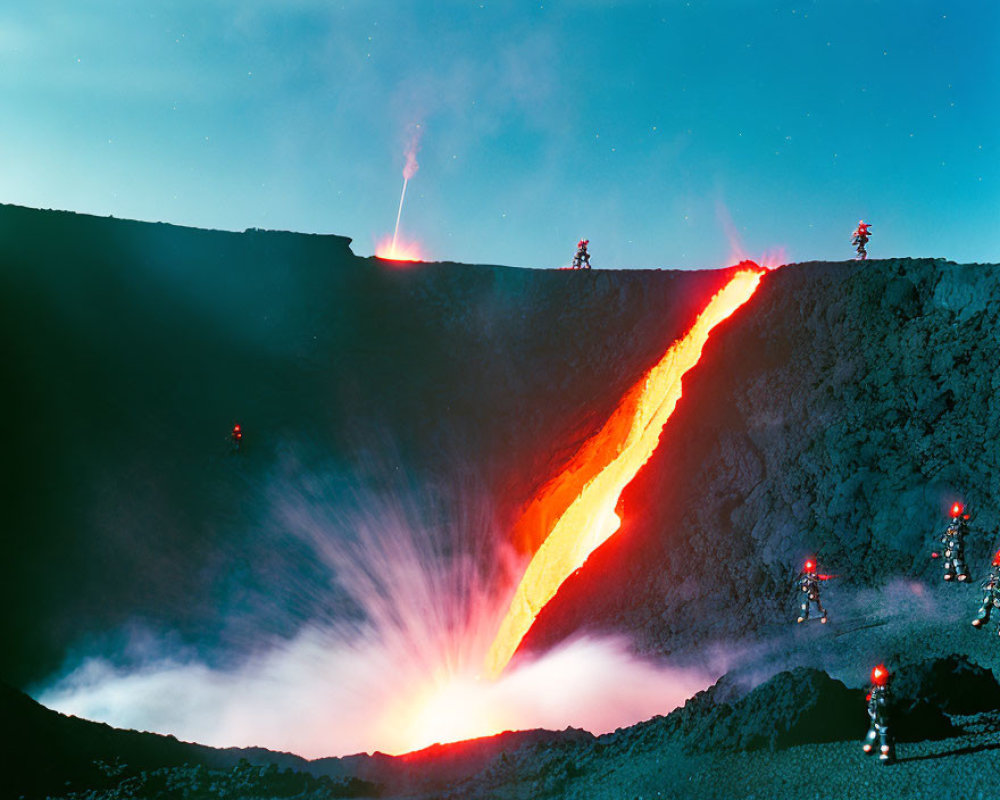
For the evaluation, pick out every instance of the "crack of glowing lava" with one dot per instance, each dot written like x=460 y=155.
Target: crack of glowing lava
x=590 y=518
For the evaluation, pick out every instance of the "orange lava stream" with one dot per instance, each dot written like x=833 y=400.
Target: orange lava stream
x=590 y=518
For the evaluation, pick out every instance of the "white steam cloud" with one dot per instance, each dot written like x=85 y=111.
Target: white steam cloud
x=319 y=696
x=405 y=676
x=412 y=146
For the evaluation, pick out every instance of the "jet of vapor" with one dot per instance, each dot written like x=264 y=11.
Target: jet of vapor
x=409 y=170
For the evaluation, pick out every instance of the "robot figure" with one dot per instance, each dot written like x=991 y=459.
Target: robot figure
x=991 y=595
x=860 y=238
x=236 y=437
x=953 y=540
x=878 y=711
x=809 y=584
x=582 y=258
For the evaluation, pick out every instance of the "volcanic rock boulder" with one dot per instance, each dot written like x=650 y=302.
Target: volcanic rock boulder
x=954 y=684
x=799 y=706
x=792 y=708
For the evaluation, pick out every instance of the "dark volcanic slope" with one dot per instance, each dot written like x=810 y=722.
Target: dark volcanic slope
x=130 y=349
x=838 y=414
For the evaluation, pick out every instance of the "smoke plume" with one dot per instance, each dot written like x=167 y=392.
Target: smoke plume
x=410 y=153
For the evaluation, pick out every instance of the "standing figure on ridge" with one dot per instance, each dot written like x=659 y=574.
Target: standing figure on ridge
x=991 y=595
x=860 y=238
x=582 y=258
x=953 y=540
x=878 y=712
x=809 y=584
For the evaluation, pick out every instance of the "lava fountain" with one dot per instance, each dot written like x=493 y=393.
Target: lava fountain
x=625 y=443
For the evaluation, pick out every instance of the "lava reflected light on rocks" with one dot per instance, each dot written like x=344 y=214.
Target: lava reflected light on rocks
x=590 y=518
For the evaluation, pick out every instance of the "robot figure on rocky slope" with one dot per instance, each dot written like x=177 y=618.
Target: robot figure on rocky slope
x=582 y=258
x=953 y=541
x=860 y=238
x=809 y=585
x=878 y=711
x=991 y=596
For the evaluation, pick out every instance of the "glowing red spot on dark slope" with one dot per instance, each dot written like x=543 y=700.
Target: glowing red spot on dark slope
x=879 y=675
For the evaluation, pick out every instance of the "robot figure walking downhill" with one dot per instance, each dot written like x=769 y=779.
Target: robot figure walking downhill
x=878 y=713
x=809 y=584
x=991 y=595
x=953 y=540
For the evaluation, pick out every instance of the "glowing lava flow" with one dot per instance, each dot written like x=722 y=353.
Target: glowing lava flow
x=590 y=519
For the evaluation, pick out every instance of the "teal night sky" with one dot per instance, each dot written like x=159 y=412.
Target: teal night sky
x=663 y=132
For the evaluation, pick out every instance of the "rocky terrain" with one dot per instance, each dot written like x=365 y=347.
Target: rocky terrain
x=837 y=415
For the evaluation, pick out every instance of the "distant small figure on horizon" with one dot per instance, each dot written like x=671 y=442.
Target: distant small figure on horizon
x=860 y=238
x=878 y=713
x=809 y=585
x=953 y=540
x=991 y=595
x=582 y=258
x=236 y=437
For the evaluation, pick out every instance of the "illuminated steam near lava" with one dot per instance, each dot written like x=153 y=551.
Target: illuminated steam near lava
x=404 y=674
x=393 y=249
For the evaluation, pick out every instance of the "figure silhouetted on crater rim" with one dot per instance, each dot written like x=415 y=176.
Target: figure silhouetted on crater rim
x=860 y=238
x=582 y=258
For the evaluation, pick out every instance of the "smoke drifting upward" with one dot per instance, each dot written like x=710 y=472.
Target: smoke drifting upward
x=769 y=259
x=399 y=671
x=412 y=146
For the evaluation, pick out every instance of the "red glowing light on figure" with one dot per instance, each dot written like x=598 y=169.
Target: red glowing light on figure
x=996 y=559
x=956 y=510
x=810 y=565
x=880 y=675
